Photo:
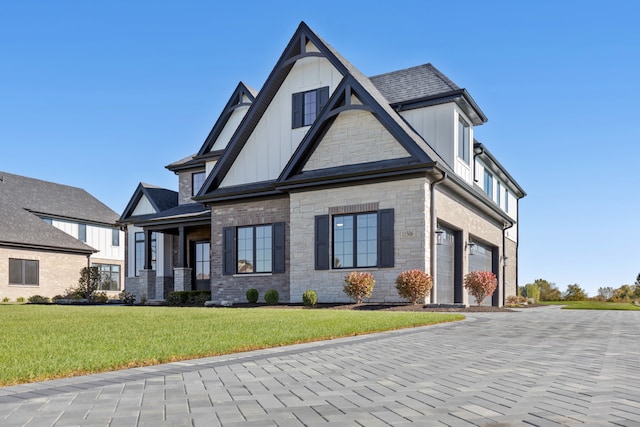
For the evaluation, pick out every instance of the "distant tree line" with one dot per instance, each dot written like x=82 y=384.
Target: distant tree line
x=542 y=290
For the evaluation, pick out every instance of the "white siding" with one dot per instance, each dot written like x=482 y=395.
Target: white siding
x=229 y=128
x=462 y=168
x=436 y=125
x=131 y=250
x=273 y=141
x=99 y=238
x=143 y=207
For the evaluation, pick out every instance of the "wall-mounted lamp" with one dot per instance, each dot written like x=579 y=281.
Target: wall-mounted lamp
x=469 y=246
x=439 y=236
x=504 y=260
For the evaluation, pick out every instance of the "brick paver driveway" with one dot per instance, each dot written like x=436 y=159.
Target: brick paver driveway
x=541 y=366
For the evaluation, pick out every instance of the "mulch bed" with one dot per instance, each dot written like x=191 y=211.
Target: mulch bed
x=385 y=307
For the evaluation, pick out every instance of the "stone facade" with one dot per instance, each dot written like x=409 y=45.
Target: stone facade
x=232 y=288
x=57 y=272
x=410 y=201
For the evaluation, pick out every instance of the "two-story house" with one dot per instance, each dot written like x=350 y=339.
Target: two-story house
x=49 y=232
x=325 y=171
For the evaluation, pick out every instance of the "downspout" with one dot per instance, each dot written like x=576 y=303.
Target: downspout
x=432 y=236
x=505 y=227
x=477 y=150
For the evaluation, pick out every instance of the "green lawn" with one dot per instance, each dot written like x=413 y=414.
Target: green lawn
x=593 y=305
x=40 y=342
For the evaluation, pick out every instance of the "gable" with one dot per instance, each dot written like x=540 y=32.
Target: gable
x=354 y=137
x=144 y=207
x=229 y=128
x=272 y=141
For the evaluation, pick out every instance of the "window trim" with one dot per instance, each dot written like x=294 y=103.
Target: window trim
x=354 y=240
x=298 y=116
x=230 y=251
x=254 y=248
x=154 y=251
x=195 y=191
x=23 y=271
x=111 y=273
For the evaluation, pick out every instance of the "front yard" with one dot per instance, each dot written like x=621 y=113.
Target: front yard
x=39 y=342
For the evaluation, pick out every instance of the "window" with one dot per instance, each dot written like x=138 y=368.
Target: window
x=197 y=180
x=307 y=105
x=254 y=249
x=139 y=252
x=48 y=221
x=463 y=140
x=110 y=277
x=488 y=184
x=506 y=200
x=115 y=237
x=202 y=260
x=23 y=272
x=498 y=190
x=355 y=240
x=82 y=232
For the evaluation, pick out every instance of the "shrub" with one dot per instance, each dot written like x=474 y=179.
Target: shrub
x=127 y=298
x=88 y=283
x=512 y=301
x=20 y=299
x=413 y=285
x=5 y=299
x=99 y=297
x=38 y=299
x=252 y=295
x=56 y=298
x=187 y=298
x=271 y=297
x=480 y=284
x=310 y=298
x=359 y=285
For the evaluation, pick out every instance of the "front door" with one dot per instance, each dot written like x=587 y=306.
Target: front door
x=201 y=259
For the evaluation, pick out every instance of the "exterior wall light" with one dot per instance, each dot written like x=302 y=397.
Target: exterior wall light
x=470 y=246
x=439 y=236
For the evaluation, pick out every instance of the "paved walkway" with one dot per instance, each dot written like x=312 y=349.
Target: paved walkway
x=541 y=366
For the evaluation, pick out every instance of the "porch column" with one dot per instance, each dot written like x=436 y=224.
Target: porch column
x=181 y=273
x=147 y=250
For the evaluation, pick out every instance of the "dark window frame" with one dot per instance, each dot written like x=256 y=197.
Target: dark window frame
x=355 y=239
x=108 y=270
x=82 y=232
x=23 y=271
x=302 y=102
x=254 y=248
x=230 y=249
x=201 y=177
x=137 y=240
x=115 y=237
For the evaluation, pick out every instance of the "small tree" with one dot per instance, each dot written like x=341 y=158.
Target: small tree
x=533 y=292
x=575 y=293
x=548 y=291
x=480 y=284
x=605 y=293
x=359 y=285
x=88 y=283
x=413 y=285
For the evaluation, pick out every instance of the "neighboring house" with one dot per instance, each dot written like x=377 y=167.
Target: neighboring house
x=325 y=171
x=49 y=232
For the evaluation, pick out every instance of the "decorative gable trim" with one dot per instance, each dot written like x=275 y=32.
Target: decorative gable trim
x=162 y=200
x=296 y=49
x=341 y=101
x=236 y=100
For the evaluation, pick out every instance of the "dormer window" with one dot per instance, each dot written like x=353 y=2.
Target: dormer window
x=463 y=140
x=307 y=105
x=197 y=180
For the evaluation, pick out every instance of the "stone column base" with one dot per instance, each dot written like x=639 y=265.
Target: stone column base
x=182 y=279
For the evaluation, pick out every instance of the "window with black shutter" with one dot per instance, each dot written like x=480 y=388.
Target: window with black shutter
x=307 y=105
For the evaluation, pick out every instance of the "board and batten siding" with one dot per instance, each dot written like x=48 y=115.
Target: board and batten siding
x=273 y=141
x=436 y=125
x=144 y=207
x=230 y=127
x=98 y=237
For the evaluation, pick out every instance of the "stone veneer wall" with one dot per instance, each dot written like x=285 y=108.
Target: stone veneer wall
x=410 y=201
x=57 y=273
x=233 y=288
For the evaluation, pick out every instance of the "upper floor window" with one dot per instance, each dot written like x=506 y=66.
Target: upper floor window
x=488 y=184
x=506 y=200
x=139 y=252
x=115 y=237
x=197 y=180
x=498 y=190
x=463 y=140
x=23 y=272
x=307 y=105
x=82 y=232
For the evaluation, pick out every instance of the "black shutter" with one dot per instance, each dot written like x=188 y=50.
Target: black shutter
x=385 y=238
x=278 y=247
x=228 y=250
x=322 y=242
x=322 y=96
x=297 y=103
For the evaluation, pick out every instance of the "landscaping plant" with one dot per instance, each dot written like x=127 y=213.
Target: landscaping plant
x=271 y=297
x=480 y=284
x=252 y=295
x=359 y=285
x=310 y=298
x=414 y=285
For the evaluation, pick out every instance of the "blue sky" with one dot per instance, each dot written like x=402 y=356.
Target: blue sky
x=103 y=95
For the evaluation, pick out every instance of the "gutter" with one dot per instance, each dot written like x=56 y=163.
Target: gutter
x=432 y=239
